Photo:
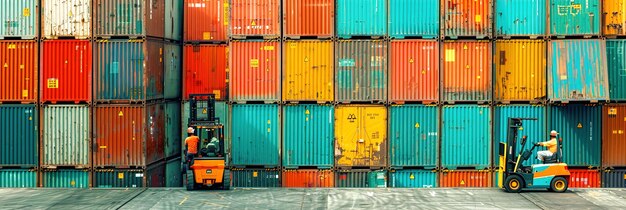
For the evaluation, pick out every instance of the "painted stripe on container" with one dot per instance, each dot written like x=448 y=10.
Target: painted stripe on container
x=309 y=18
x=520 y=17
x=255 y=18
x=19 y=129
x=20 y=75
x=308 y=136
x=584 y=178
x=361 y=178
x=361 y=18
x=414 y=70
x=256 y=177
x=65 y=178
x=66 y=135
x=613 y=19
x=413 y=135
x=172 y=71
x=255 y=74
x=308 y=71
x=360 y=136
x=614 y=178
x=66 y=71
x=66 y=18
x=466 y=179
x=18 y=178
x=20 y=19
x=361 y=70
x=129 y=18
x=466 y=136
x=535 y=130
x=575 y=17
x=205 y=70
x=412 y=178
x=410 y=18
x=118 y=178
x=467 y=71
x=308 y=178
x=466 y=18
x=520 y=70
x=580 y=126
x=173 y=140
x=616 y=64
x=256 y=135
x=206 y=20
x=614 y=135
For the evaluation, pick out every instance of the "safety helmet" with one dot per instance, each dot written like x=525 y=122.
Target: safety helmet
x=190 y=130
x=553 y=133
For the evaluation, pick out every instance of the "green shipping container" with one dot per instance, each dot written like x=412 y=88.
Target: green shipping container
x=173 y=173
x=222 y=111
x=308 y=136
x=256 y=135
x=580 y=126
x=65 y=178
x=575 y=17
x=18 y=178
x=19 y=135
x=255 y=177
x=172 y=67
x=361 y=178
x=413 y=178
x=466 y=137
x=413 y=136
x=172 y=129
x=65 y=132
x=118 y=178
x=616 y=62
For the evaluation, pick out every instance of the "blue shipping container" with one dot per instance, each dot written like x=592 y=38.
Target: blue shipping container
x=580 y=126
x=520 y=18
x=411 y=18
x=308 y=136
x=413 y=135
x=535 y=130
x=466 y=137
x=19 y=135
x=575 y=17
x=256 y=135
x=18 y=178
x=361 y=18
x=65 y=178
x=412 y=178
x=19 y=18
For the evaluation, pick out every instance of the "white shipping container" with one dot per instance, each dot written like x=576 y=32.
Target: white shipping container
x=66 y=18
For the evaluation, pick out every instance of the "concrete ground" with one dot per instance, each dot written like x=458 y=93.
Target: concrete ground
x=285 y=198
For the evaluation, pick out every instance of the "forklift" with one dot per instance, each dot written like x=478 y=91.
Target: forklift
x=208 y=168
x=513 y=176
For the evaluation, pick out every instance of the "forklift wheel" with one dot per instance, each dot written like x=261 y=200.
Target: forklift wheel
x=559 y=184
x=191 y=183
x=226 y=180
x=514 y=184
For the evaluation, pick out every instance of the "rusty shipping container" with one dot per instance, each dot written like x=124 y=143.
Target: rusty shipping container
x=584 y=178
x=255 y=71
x=361 y=178
x=21 y=19
x=414 y=71
x=361 y=71
x=613 y=17
x=66 y=71
x=309 y=18
x=205 y=69
x=575 y=17
x=466 y=178
x=360 y=136
x=308 y=178
x=308 y=71
x=520 y=67
x=467 y=71
x=466 y=18
x=255 y=18
x=129 y=18
x=614 y=135
x=19 y=75
x=66 y=18
x=65 y=135
x=206 y=20
x=128 y=135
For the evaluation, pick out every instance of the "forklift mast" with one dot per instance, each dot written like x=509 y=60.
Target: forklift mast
x=202 y=118
x=514 y=125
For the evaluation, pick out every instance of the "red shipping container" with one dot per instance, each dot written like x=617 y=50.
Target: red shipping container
x=467 y=71
x=466 y=179
x=309 y=18
x=19 y=72
x=255 y=71
x=584 y=178
x=614 y=135
x=206 y=20
x=66 y=71
x=205 y=70
x=255 y=18
x=414 y=71
x=308 y=178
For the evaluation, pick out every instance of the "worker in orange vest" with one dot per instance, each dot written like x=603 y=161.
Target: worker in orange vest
x=191 y=145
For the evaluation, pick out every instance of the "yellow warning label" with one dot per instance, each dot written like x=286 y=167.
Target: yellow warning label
x=612 y=111
x=306 y=59
x=30 y=118
x=307 y=112
x=206 y=35
x=120 y=175
x=255 y=174
x=269 y=130
x=478 y=18
x=254 y=63
x=462 y=182
x=12 y=46
x=563 y=77
x=467 y=66
x=411 y=176
x=268 y=48
x=24 y=93
x=269 y=122
x=306 y=119
x=103 y=147
x=450 y=55
x=203 y=111
x=217 y=93
x=620 y=132
x=580 y=125
x=624 y=176
x=521 y=128
x=6 y=65
x=411 y=60
x=253 y=23
x=423 y=71
x=26 y=12
x=53 y=83
x=21 y=66
x=70 y=14
x=478 y=77
x=226 y=6
x=73 y=183
x=465 y=47
x=417 y=125
x=120 y=114
x=577 y=6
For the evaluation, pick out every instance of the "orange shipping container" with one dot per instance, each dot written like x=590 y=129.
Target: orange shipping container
x=584 y=178
x=255 y=73
x=520 y=70
x=466 y=18
x=308 y=178
x=308 y=71
x=309 y=18
x=466 y=179
x=614 y=135
x=206 y=20
x=205 y=69
x=414 y=71
x=255 y=18
x=18 y=73
x=66 y=71
x=467 y=71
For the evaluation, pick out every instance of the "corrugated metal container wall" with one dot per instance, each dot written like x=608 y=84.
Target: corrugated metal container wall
x=361 y=18
x=360 y=136
x=255 y=18
x=206 y=20
x=155 y=175
x=467 y=71
x=613 y=18
x=19 y=135
x=18 y=178
x=414 y=71
x=466 y=136
x=520 y=67
x=580 y=126
x=65 y=178
x=534 y=129
x=616 y=64
x=308 y=178
x=413 y=136
x=128 y=70
x=65 y=135
x=172 y=70
x=412 y=178
x=308 y=136
x=410 y=18
x=118 y=178
x=574 y=17
x=309 y=18
x=66 y=71
x=614 y=178
x=520 y=18
x=361 y=178
x=466 y=18
x=308 y=71
x=583 y=79
x=173 y=127
x=466 y=178
x=255 y=177
x=222 y=111
x=129 y=18
x=255 y=74
x=173 y=173
x=21 y=19
x=256 y=135
x=361 y=70
x=205 y=70
x=66 y=18
x=19 y=77
x=613 y=135
x=174 y=19
x=584 y=178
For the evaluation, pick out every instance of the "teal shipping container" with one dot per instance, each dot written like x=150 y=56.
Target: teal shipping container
x=308 y=135
x=361 y=178
x=18 y=178
x=173 y=140
x=174 y=19
x=410 y=18
x=65 y=135
x=413 y=136
x=19 y=19
x=520 y=18
x=534 y=129
x=256 y=135
x=575 y=17
x=580 y=126
x=130 y=18
x=173 y=71
x=19 y=136
x=173 y=173
x=466 y=137
x=118 y=178
x=616 y=64
x=361 y=18
x=413 y=178
x=577 y=70
x=65 y=178
x=222 y=111
x=255 y=177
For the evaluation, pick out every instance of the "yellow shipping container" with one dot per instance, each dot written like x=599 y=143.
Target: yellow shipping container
x=520 y=70
x=614 y=19
x=308 y=71
x=360 y=136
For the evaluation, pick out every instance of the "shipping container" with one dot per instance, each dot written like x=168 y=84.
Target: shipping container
x=413 y=178
x=19 y=77
x=18 y=178
x=66 y=18
x=361 y=72
x=466 y=178
x=308 y=136
x=129 y=18
x=614 y=135
x=360 y=136
x=616 y=64
x=308 y=71
x=118 y=178
x=584 y=178
x=173 y=173
x=308 y=178
x=174 y=19
x=411 y=19
x=206 y=20
x=205 y=70
x=466 y=137
x=128 y=135
x=361 y=18
x=582 y=79
x=21 y=19
x=361 y=178
x=520 y=70
x=414 y=71
x=65 y=178
x=172 y=70
x=222 y=111
x=66 y=71
x=525 y=18
x=19 y=135
x=613 y=19
x=575 y=17
x=255 y=18
x=534 y=129
x=155 y=175
x=466 y=18
x=413 y=136
x=614 y=178
x=256 y=135
x=309 y=18
x=173 y=140
x=128 y=70
x=467 y=71
x=255 y=177
x=255 y=74
x=65 y=134
x=580 y=126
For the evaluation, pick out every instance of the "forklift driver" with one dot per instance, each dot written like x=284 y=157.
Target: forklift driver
x=551 y=145
x=191 y=144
